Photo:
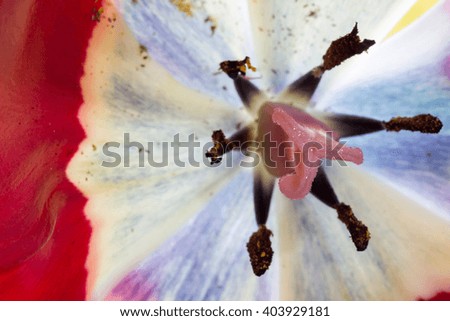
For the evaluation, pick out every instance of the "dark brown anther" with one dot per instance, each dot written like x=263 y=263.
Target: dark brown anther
x=344 y=48
x=221 y=146
x=424 y=123
x=359 y=232
x=234 y=68
x=259 y=249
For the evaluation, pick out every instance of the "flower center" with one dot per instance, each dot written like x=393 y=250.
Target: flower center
x=293 y=144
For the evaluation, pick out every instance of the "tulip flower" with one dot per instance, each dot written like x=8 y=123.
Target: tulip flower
x=95 y=208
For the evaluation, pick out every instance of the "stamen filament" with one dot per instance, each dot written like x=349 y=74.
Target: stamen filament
x=322 y=189
x=263 y=184
x=349 y=125
x=246 y=90
x=307 y=84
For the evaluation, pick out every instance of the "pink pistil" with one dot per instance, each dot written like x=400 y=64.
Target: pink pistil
x=297 y=163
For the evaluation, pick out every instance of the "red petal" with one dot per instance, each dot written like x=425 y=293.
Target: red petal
x=43 y=232
x=442 y=296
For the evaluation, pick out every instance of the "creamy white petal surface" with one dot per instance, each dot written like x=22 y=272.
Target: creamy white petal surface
x=407 y=256
x=184 y=43
x=207 y=259
x=135 y=208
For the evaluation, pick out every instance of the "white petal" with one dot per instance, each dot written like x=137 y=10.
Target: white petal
x=420 y=163
x=184 y=44
x=292 y=36
x=409 y=72
x=407 y=256
x=207 y=259
x=134 y=209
